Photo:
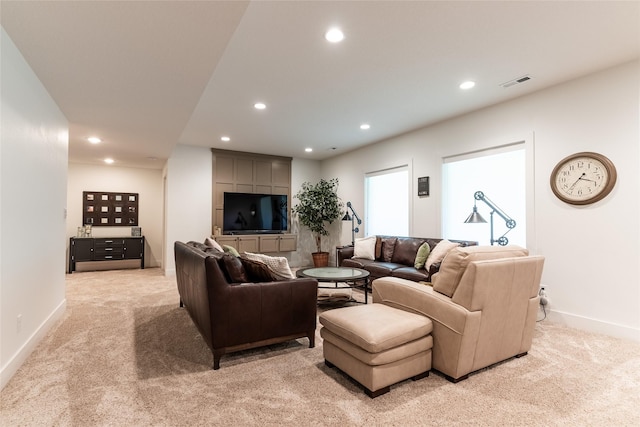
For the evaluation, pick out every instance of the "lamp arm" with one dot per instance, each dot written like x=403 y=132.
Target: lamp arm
x=353 y=212
x=479 y=195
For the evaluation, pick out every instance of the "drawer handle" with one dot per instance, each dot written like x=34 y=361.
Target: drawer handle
x=108 y=249
x=108 y=256
x=108 y=241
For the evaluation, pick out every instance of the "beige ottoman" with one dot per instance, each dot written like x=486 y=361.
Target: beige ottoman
x=377 y=345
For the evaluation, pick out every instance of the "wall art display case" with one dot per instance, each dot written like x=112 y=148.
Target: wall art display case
x=101 y=208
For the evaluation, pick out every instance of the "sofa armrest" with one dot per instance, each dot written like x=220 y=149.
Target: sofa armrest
x=253 y=312
x=343 y=252
x=421 y=299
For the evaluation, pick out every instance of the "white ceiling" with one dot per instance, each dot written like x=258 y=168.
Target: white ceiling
x=146 y=75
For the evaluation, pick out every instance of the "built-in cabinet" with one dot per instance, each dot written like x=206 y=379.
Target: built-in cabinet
x=261 y=243
x=248 y=173
x=235 y=171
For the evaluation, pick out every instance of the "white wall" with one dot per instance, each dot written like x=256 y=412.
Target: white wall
x=33 y=180
x=591 y=270
x=146 y=182
x=188 y=198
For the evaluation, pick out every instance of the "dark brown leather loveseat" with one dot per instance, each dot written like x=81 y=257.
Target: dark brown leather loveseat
x=395 y=256
x=238 y=316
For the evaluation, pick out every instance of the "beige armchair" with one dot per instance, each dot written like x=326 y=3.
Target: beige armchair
x=483 y=305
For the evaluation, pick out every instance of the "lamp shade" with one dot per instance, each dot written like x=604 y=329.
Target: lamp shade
x=474 y=217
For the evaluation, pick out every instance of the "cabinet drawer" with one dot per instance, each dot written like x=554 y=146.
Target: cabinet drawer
x=108 y=253
x=108 y=243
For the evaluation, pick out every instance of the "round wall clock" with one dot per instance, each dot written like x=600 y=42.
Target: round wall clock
x=583 y=178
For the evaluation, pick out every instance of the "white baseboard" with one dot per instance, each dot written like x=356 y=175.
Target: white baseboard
x=18 y=359
x=170 y=272
x=593 y=325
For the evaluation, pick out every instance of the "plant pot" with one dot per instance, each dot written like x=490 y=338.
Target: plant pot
x=320 y=259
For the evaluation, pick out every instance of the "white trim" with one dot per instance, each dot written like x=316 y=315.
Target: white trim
x=594 y=325
x=18 y=359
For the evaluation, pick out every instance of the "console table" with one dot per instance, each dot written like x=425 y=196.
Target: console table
x=82 y=249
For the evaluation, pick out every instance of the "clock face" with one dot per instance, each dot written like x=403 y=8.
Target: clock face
x=583 y=178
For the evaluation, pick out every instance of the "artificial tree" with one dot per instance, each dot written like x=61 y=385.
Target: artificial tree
x=318 y=205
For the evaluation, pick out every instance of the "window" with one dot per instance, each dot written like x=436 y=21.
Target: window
x=387 y=202
x=500 y=174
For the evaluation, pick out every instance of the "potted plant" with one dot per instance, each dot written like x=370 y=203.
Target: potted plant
x=318 y=205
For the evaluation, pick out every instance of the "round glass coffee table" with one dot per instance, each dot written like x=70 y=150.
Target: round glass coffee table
x=347 y=275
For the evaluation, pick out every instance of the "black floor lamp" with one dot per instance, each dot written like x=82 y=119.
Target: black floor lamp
x=354 y=216
x=475 y=217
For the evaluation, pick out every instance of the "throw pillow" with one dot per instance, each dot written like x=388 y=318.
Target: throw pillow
x=213 y=244
x=421 y=256
x=365 y=248
x=388 y=244
x=234 y=269
x=256 y=271
x=230 y=250
x=278 y=264
x=438 y=253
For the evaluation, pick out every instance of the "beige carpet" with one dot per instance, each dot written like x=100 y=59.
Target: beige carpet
x=125 y=354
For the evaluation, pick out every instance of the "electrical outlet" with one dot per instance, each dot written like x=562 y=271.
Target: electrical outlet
x=19 y=323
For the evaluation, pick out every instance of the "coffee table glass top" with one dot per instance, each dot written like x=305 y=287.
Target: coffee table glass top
x=335 y=273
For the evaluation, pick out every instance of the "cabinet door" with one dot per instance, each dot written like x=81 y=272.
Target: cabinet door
x=133 y=248
x=269 y=243
x=82 y=249
x=227 y=240
x=248 y=244
x=288 y=243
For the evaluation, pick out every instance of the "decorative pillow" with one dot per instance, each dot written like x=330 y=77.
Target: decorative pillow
x=230 y=250
x=457 y=260
x=438 y=253
x=279 y=265
x=421 y=256
x=365 y=248
x=378 y=253
x=388 y=244
x=213 y=244
x=234 y=269
x=256 y=271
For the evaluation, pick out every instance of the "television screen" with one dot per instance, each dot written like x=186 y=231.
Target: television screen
x=248 y=213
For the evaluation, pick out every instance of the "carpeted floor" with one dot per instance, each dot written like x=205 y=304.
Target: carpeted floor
x=125 y=354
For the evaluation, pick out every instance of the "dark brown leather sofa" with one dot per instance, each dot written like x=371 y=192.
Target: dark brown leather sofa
x=238 y=316
x=395 y=257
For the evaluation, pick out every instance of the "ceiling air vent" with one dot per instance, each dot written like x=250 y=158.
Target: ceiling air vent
x=516 y=81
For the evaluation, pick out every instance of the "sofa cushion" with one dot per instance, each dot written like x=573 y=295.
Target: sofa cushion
x=356 y=262
x=405 y=250
x=388 y=245
x=233 y=269
x=457 y=259
x=410 y=273
x=380 y=269
x=421 y=257
x=438 y=253
x=257 y=271
x=365 y=248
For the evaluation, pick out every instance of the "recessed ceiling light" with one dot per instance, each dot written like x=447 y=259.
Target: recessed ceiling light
x=334 y=35
x=467 y=85
x=225 y=139
x=365 y=126
x=260 y=105
x=94 y=140
x=308 y=149
x=108 y=160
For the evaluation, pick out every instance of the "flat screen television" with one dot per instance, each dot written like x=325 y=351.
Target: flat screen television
x=249 y=213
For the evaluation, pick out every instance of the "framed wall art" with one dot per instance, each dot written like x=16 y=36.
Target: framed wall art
x=101 y=208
